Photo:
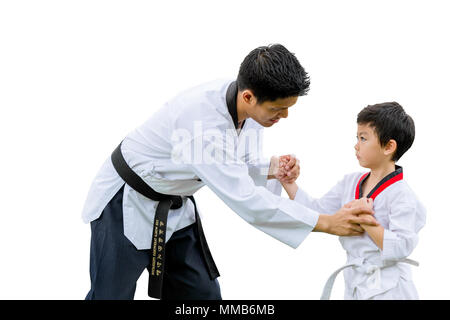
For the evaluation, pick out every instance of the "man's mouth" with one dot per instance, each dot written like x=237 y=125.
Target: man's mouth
x=274 y=120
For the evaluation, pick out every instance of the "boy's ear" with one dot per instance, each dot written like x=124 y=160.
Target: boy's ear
x=390 y=147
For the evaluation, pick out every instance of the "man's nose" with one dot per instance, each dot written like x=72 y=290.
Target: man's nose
x=284 y=113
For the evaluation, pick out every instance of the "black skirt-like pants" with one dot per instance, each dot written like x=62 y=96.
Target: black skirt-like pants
x=116 y=264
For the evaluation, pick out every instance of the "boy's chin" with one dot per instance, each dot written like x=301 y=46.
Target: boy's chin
x=363 y=164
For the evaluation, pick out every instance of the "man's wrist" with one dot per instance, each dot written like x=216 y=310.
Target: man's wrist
x=273 y=167
x=323 y=223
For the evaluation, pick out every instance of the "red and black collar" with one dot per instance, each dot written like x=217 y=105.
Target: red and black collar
x=391 y=178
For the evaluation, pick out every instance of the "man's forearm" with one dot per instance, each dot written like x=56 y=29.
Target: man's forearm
x=273 y=167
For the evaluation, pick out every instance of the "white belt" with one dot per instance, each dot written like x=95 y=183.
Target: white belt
x=366 y=267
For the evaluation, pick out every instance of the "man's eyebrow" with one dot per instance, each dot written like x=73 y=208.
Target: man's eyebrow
x=280 y=107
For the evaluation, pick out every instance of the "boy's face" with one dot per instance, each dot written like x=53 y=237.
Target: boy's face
x=369 y=151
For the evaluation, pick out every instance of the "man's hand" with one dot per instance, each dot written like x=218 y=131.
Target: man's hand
x=346 y=221
x=286 y=168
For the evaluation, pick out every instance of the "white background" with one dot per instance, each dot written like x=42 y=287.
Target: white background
x=77 y=76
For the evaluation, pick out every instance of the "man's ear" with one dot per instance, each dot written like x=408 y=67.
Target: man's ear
x=248 y=97
x=390 y=147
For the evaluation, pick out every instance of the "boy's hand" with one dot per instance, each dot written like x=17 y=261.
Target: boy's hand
x=289 y=169
x=362 y=203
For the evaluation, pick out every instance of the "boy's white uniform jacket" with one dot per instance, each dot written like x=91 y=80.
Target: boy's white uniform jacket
x=378 y=274
x=163 y=152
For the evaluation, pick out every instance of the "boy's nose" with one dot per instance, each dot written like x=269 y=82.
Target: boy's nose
x=284 y=113
x=356 y=147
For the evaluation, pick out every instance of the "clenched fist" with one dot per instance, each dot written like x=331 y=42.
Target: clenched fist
x=286 y=168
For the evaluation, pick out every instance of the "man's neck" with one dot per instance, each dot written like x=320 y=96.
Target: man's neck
x=240 y=106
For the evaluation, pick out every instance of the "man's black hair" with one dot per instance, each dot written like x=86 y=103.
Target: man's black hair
x=271 y=73
x=390 y=121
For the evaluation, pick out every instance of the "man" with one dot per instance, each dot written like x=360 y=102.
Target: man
x=140 y=205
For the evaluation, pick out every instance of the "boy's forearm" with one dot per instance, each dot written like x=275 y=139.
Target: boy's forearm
x=291 y=189
x=376 y=233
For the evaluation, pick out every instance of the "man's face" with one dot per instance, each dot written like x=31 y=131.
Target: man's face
x=270 y=112
x=369 y=151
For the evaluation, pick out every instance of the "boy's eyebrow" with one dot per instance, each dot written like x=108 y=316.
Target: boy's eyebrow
x=362 y=132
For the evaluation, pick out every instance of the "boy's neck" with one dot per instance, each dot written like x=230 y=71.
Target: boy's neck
x=381 y=171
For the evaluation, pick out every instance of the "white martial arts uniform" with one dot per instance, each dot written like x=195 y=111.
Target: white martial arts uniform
x=198 y=118
x=372 y=273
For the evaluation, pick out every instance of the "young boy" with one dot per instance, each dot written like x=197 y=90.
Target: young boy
x=376 y=266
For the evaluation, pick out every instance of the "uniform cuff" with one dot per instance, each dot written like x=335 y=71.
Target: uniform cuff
x=301 y=196
x=389 y=243
x=259 y=172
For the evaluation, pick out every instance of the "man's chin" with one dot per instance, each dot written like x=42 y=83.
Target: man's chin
x=267 y=123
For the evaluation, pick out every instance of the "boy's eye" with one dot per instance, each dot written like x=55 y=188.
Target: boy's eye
x=362 y=138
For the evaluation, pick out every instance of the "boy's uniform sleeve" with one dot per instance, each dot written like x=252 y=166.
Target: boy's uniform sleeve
x=328 y=204
x=406 y=218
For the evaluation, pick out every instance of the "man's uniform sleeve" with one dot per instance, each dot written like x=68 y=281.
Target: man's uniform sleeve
x=281 y=218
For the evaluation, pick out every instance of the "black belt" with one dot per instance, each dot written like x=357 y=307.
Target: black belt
x=166 y=202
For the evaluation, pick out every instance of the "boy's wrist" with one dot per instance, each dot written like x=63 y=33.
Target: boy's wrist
x=291 y=189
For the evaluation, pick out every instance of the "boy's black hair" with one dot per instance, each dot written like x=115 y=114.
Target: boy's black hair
x=272 y=72
x=390 y=122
